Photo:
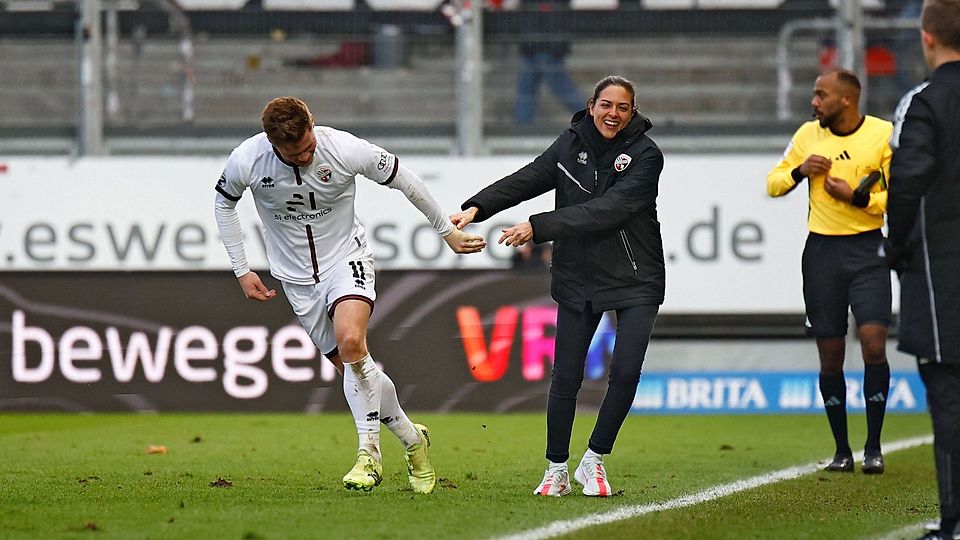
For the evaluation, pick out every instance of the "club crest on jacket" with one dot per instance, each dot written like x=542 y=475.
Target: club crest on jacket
x=622 y=162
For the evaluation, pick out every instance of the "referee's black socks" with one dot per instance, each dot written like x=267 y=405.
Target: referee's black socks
x=876 y=387
x=833 y=388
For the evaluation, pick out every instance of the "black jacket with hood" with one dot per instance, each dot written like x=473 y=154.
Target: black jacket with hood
x=607 y=248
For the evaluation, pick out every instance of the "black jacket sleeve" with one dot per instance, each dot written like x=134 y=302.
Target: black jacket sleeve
x=634 y=192
x=912 y=173
x=532 y=180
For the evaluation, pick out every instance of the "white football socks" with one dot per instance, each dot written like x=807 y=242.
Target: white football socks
x=392 y=415
x=362 y=388
x=372 y=398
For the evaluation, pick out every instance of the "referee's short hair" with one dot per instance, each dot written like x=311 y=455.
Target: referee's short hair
x=847 y=78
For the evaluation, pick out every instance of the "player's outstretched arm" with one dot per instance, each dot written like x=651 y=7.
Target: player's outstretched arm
x=461 y=242
x=253 y=287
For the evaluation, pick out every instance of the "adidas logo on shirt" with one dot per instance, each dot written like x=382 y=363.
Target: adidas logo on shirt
x=843 y=156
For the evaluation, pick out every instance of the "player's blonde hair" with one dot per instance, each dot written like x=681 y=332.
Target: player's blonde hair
x=285 y=120
x=941 y=19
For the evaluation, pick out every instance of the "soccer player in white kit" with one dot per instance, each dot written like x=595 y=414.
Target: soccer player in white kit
x=302 y=178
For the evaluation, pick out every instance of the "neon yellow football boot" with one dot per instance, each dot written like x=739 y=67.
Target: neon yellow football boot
x=419 y=471
x=366 y=474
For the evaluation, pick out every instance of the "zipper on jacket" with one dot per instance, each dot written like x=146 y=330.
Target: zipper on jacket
x=596 y=179
x=626 y=247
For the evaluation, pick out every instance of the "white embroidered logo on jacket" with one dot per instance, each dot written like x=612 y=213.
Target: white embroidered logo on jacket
x=622 y=162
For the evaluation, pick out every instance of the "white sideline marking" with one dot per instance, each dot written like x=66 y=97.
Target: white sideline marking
x=907 y=532
x=558 y=528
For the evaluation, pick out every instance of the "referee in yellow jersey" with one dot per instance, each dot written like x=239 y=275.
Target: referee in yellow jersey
x=844 y=156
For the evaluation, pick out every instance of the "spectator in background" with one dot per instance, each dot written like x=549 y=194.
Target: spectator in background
x=836 y=154
x=543 y=52
x=924 y=222
x=608 y=256
x=302 y=179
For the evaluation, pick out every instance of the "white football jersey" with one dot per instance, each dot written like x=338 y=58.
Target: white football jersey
x=308 y=214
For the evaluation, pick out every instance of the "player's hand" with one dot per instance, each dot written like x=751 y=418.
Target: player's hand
x=462 y=219
x=254 y=289
x=815 y=165
x=838 y=188
x=461 y=242
x=518 y=235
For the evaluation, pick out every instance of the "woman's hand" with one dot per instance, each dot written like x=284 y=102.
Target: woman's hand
x=518 y=235
x=462 y=219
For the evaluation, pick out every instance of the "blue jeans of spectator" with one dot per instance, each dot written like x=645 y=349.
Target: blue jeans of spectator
x=549 y=68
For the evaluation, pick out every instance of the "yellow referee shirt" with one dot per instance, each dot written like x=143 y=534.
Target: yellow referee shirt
x=853 y=157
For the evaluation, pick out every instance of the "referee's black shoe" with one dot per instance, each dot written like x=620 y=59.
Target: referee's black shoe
x=840 y=463
x=872 y=462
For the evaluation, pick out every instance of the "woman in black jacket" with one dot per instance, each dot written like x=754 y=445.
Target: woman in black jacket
x=607 y=255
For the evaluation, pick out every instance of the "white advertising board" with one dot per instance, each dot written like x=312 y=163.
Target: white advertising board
x=730 y=248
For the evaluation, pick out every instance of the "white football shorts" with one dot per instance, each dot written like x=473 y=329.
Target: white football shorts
x=351 y=278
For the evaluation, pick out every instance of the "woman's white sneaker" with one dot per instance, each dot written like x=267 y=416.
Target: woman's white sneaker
x=593 y=476
x=556 y=483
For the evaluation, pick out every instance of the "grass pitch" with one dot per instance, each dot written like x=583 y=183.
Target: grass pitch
x=278 y=476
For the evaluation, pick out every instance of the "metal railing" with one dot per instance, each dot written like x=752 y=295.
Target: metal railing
x=97 y=64
x=786 y=35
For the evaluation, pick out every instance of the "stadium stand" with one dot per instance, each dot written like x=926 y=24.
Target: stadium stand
x=693 y=82
x=234 y=77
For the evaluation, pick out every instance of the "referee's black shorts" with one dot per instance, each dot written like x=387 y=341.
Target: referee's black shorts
x=841 y=271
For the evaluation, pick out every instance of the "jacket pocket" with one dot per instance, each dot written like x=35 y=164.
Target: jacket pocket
x=629 y=252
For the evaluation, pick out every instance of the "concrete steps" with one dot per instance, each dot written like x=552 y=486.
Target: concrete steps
x=679 y=79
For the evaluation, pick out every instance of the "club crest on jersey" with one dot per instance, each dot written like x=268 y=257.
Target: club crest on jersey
x=582 y=158
x=324 y=172
x=622 y=162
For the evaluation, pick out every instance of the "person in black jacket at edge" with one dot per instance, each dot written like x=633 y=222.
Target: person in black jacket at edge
x=607 y=255
x=923 y=243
